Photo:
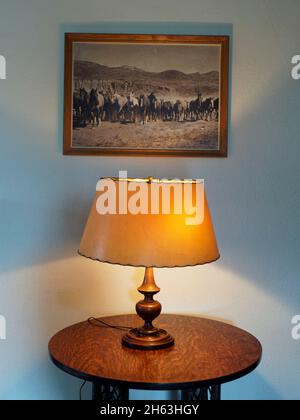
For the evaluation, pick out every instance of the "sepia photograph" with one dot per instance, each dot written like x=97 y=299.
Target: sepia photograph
x=135 y=94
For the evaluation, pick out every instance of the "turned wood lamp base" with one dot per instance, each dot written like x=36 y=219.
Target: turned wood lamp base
x=148 y=337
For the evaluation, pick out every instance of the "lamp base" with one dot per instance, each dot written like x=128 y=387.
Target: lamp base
x=143 y=340
x=148 y=337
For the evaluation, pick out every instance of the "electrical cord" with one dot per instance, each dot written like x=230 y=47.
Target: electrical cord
x=80 y=391
x=99 y=323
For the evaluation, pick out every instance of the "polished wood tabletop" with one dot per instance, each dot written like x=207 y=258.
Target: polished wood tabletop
x=206 y=352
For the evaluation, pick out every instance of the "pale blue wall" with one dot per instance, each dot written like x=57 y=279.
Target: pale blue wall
x=254 y=194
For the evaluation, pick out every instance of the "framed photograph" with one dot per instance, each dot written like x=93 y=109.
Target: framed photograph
x=146 y=95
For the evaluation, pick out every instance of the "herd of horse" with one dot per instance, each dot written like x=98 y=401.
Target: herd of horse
x=96 y=106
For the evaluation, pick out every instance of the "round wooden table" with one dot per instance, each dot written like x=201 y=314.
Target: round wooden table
x=206 y=354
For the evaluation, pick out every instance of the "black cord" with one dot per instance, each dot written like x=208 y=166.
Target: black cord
x=80 y=391
x=99 y=323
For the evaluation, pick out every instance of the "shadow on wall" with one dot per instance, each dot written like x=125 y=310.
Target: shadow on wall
x=64 y=388
x=252 y=386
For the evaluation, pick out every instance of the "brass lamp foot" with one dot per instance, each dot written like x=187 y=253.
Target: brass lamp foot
x=136 y=340
x=148 y=337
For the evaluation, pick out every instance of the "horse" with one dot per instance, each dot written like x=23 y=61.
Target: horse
x=96 y=106
x=76 y=110
x=107 y=108
x=167 y=111
x=152 y=109
x=143 y=108
x=196 y=108
x=121 y=108
x=178 y=111
x=216 y=108
x=134 y=107
x=80 y=107
x=116 y=104
x=158 y=110
x=126 y=111
x=186 y=106
x=207 y=108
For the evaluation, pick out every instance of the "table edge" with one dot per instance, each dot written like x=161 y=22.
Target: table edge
x=162 y=386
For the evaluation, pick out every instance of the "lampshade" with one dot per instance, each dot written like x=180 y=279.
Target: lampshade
x=164 y=239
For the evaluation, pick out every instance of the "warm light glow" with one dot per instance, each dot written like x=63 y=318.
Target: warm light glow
x=147 y=239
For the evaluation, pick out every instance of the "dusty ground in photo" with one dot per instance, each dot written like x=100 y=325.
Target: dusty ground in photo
x=158 y=135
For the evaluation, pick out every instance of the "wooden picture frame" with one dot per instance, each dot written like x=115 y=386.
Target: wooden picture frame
x=152 y=95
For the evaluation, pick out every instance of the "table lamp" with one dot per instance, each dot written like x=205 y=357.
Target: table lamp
x=141 y=228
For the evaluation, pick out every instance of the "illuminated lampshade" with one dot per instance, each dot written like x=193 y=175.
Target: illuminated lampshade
x=165 y=224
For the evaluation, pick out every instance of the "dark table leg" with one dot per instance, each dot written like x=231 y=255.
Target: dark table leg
x=212 y=393
x=215 y=393
x=106 y=392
